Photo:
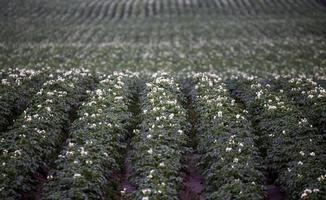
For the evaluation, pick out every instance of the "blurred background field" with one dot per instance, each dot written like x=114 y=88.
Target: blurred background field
x=164 y=34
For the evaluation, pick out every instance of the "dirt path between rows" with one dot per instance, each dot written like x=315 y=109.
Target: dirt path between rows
x=274 y=193
x=192 y=181
x=192 y=184
x=126 y=186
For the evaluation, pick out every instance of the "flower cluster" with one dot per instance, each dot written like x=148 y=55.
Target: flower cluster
x=93 y=150
x=158 y=145
x=16 y=90
x=230 y=159
x=309 y=96
x=293 y=149
x=35 y=135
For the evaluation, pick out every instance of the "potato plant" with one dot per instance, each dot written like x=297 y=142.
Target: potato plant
x=33 y=140
x=231 y=162
x=158 y=144
x=290 y=143
x=16 y=90
x=93 y=150
x=308 y=95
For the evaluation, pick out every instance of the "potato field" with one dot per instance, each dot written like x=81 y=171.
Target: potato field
x=163 y=99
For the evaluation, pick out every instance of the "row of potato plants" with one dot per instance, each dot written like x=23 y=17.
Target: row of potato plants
x=158 y=144
x=230 y=159
x=16 y=90
x=308 y=95
x=35 y=136
x=93 y=151
x=291 y=145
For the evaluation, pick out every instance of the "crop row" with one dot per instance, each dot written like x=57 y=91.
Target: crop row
x=290 y=144
x=35 y=136
x=230 y=159
x=16 y=90
x=152 y=20
x=308 y=95
x=93 y=152
x=81 y=152
x=102 y=10
x=158 y=145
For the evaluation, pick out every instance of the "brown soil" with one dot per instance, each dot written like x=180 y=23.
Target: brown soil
x=192 y=184
x=126 y=186
x=40 y=178
x=274 y=192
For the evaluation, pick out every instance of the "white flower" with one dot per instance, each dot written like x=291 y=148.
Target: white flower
x=219 y=113
x=28 y=119
x=146 y=191
x=17 y=153
x=162 y=164
x=300 y=163
x=232 y=102
x=271 y=107
x=77 y=175
x=321 y=178
x=312 y=154
x=316 y=190
x=48 y=109
x=235 y=160
x=150 y=151
x=123 y=191
x=259 y=93
x=145 y=198
x=83 y=152
x=302 y=153
x=303 y=195
x=228 y=149
x=118 y=98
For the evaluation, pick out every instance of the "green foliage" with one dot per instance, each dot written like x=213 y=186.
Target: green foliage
x=95 y=141
x=34 y=137
x=231 y=163
x=158 y=145
x=293 y=149
x=17 y=89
